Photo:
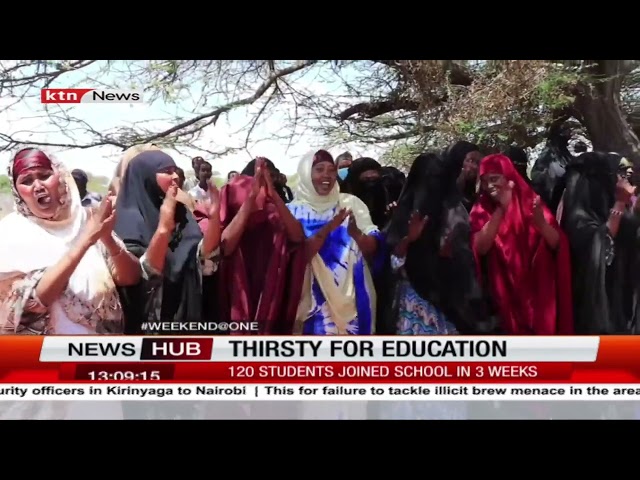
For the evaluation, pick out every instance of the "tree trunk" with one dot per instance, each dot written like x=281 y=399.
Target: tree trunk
x=598 y=107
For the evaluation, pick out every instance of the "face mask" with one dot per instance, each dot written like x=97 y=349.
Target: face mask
x=342 y=173
x=372 y=184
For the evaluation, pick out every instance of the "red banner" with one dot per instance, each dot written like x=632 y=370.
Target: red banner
x=329 y=372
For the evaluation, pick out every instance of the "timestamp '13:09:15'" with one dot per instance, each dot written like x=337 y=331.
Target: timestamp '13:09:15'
x=113 y=372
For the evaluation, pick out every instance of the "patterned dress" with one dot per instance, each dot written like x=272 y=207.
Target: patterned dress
x=338 y=248
x=416 y=316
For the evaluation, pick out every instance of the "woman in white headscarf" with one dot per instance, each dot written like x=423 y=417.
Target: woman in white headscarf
x=60 y=262
x=338 y=294
x=126 y=157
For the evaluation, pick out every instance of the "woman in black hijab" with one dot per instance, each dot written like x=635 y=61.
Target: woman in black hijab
x=602 y=233
x=364 y=180
x=434 y=282
x=393 y=180
x=464 y=157
x=520 y=161
x=436 y=287
x=548 y=174
x=166 y=237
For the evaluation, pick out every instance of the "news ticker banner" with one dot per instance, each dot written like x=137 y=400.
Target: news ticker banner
x=320 y=360
x=299 y=392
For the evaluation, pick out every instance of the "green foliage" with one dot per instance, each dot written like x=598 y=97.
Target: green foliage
x=5 y=184
x=401 y=155
x=98 y=185
x=554 y=92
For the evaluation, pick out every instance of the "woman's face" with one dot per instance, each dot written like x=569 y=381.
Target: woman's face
x=39 y=188
x=470 y=165
x=324 y=176
x=493 y=183
x=168 y=177
x=369 y=175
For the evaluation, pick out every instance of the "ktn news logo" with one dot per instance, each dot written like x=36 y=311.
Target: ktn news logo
x=89 y=95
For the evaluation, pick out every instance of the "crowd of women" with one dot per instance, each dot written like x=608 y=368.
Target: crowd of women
x=465 y=244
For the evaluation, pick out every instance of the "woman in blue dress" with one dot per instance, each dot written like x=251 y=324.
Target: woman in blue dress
x=338 y=294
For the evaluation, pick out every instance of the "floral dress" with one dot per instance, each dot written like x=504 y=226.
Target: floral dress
x=416 y=316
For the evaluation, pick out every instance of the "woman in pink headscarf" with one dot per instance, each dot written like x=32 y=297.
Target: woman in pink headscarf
x=524 y=252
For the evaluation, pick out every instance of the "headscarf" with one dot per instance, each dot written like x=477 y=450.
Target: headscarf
x=425 y=190
x=605 y=271
x=455 y=156
x=393 y=181
x=341 y=298
x=457 y=153
x=530 y=284
x=357 y=168
x=548 y=171
x=250 y=168
x=593 y=185
x=520 y=161
x=446 y=282
x=306 y=193
x=126 y=157
x=261 y=280
x=35 y=243
x=138 y=207
x=37 y=254
x=372 y=192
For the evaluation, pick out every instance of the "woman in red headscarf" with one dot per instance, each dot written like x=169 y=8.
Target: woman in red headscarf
x=524 y=253
x=60 y=262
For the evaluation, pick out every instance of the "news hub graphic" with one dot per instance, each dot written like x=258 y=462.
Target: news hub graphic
x=342 y=368
x=90 y=95
x=551 y=350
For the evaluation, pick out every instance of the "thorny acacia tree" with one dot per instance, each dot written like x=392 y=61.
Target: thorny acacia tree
x=408 y=104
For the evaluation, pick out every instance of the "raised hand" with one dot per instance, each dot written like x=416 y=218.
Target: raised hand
x=352 y=228
x=258 y=178
x=624 y=191
x=214 y=198
x=338 y=219
x=506 y=194
x=416 y=225
x=101 y=221
x=167 y=221
x=538 y=212
x=389 y=208
x=268 y=182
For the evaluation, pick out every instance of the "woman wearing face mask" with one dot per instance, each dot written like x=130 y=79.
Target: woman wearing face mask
x=525 y=253
x=165 y=236
x=60 y=263
x=338 y=297
x=263 y=256
x=365 y=182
